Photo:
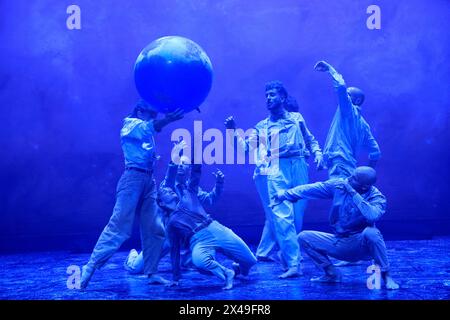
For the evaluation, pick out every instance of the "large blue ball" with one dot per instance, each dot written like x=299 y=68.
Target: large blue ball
x=173 y=72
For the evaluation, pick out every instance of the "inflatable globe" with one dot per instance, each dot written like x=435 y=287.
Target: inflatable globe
x=173 y=72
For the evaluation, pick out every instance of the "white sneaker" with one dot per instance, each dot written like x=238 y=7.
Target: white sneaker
x=129 y=261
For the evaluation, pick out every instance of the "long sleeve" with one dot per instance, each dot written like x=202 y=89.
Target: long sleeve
x=246 y=144
x=345 y=103
x=171 y=173
x=174 y=252
x=137 y=128
x=210 y=198
x=311 y=142
x=372 y=146
x=372 y=209
x=318 y=190
x=194 y=180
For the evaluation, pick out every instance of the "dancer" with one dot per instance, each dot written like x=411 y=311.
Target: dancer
x=188 y=223
x=349 y=132
x=288 y=143
x=268 y=243
x=134 y=262
x=357 y=205
x=348 y=135
x=135 y=192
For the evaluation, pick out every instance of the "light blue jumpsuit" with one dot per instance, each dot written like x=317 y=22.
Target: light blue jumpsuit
x=135 y=193
x=352 y=218
x=205 y=241
x=289 y=169
x=349 y=133
x=268 y=238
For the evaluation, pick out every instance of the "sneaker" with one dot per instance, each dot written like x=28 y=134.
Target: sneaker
x=130 y=260
x=86 y=274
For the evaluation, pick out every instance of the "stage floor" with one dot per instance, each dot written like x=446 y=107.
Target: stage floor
x=421 y=267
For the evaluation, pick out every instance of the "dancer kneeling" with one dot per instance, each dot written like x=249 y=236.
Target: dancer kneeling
x=357 y=205
x=189 y=223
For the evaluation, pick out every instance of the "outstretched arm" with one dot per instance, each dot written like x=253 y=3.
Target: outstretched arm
x=242 y=143
x=345 y=103
x=318 y=190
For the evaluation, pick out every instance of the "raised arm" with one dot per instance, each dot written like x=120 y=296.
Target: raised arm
x=210 y=198
x=170 y=117
x=169 y=179
x=373 y=148
x=242 y=143
x=345 y=103
x=194 y=180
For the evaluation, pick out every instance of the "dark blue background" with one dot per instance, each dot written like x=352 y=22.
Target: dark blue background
x=63 y=95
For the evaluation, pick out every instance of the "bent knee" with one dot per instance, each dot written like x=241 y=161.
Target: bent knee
x=372 y=234
x=304 y=237
x=201 y=261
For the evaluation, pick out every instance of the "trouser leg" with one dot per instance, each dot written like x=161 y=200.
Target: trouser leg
x=361 y=246
x=268 y=239
x=120 y=225
x=203 y=247
x=299 y=177
x=233 y=246
x=374 y=243
x=317 y=246
x=283 y=214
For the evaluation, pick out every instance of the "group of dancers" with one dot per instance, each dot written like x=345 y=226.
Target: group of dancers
x=173 y=216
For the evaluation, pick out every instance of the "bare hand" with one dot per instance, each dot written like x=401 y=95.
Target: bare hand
x=175 y=115
x=179 y=148
x=277 y=199
x=220 y=177
x=230 y=123
x=322 y=66
x=318 y=160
